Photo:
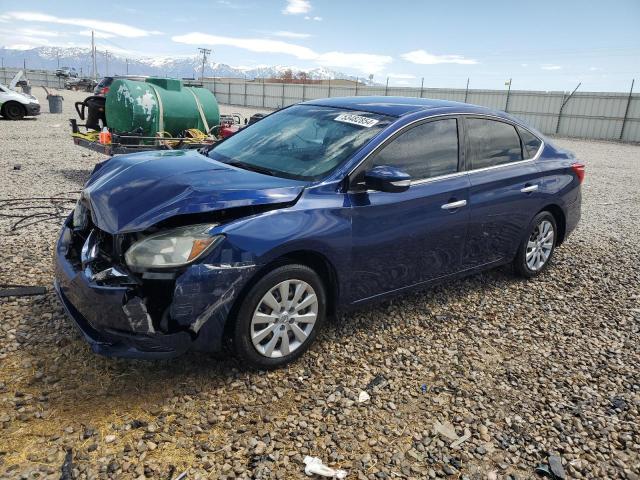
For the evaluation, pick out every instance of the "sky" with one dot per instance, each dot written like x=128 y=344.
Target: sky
x=542 y=45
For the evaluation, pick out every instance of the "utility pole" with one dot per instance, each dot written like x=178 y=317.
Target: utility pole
x=466 y=91
x=506 y=103
x=204 y=52
x=93 y=56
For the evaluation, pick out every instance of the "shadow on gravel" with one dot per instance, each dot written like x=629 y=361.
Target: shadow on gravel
x=26 y=119
x=84 y=387
x=75 y=175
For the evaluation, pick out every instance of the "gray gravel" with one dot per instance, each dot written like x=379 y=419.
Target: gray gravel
x=522 y=370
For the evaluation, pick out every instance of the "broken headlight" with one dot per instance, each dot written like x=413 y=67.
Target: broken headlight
x=80 y=216
x=172 y=248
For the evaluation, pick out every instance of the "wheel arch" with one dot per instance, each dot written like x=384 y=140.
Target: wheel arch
x=560 y=218
x=310 y=258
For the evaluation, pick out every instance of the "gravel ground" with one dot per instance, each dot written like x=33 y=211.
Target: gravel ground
x=520 y=370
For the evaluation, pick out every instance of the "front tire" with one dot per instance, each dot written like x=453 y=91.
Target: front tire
x=280 y=317
x=13 y=111
x=537 y=248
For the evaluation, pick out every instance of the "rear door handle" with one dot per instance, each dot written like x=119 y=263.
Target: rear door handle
x=454 y=205
x=529 y=189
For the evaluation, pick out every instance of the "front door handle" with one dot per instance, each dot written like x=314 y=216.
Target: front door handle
x=529 y=189
x=454 y=205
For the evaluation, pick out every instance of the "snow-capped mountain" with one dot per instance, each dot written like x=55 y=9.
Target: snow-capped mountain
x=50 y=58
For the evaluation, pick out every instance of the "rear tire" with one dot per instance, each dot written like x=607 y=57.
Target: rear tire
x=280 y=317
x=536 y=250
x=13 y=111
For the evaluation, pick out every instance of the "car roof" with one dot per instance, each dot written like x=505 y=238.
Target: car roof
x=399 y=106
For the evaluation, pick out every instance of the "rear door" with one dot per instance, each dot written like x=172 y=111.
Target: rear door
x=505 y=189
x=405 y=238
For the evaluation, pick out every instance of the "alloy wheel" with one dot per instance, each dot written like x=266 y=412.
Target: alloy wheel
x=540 y=245
x=284 y=318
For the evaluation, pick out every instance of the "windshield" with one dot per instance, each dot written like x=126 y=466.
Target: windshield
x=303 y=142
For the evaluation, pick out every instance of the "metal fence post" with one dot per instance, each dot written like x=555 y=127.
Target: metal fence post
x=565 y=100
x=263 y=94
x=229 y=92
x=245 y=92
x=626 y=111
x=466 y=91
x=304 y=90
x=329 y=93
x=386 y=88
x=357 y=81
x=282 y=106
x=506 y=103
x=422 y=88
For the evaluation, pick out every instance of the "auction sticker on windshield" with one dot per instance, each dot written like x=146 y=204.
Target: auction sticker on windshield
x=356 y=120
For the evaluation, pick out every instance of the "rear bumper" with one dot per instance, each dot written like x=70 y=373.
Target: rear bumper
x=573 y=213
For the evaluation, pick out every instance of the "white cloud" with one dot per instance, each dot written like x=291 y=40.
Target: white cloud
x=286 y=34
x=593 y=69
x=317 y=19
x=551 y=67
x=118 y=29
x=87 y=33
x=260 y=45
x=39 y=33
x=423 y=57
x=365 y=62
x=524 y=65
x=404 y=76
x=297 y=7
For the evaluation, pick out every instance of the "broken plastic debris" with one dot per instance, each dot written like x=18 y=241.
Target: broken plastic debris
x=314 y=466
x=446 y=430
x=462 y=439
x=363 y=397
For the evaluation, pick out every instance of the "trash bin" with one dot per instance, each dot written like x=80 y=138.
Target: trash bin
x=55 y=103
x=26 y=89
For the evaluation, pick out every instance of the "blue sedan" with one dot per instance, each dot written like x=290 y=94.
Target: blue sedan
x=320 y=207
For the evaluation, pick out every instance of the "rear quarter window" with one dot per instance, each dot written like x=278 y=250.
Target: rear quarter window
x=491 y=143
x=530 y=143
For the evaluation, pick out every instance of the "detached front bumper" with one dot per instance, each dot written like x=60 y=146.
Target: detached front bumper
x=118 y=320
x=33 y=109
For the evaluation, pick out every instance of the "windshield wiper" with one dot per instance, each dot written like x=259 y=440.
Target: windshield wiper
x=253 y=168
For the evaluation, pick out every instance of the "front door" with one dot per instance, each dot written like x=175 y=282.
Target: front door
x=406 y=238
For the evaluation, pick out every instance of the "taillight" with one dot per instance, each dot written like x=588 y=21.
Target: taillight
x=578 y=169
x=104 y=90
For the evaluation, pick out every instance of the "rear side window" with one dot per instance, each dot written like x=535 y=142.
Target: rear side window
x=492 y=143
x=426 y=151
x=530 y=143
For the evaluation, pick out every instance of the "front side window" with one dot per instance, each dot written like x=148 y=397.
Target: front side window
x=426 y=151
x=491 y=143
x=530 y=143
x=303 y=142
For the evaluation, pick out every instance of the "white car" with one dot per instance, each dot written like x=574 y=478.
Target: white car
x=15 y=105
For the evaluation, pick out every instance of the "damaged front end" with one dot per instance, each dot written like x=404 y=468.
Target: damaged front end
x=144 y=312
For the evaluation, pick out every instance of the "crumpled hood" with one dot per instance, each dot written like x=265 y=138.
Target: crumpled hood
x=130 y=193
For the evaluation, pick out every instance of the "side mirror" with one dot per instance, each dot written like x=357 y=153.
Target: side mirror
x=387 y=179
